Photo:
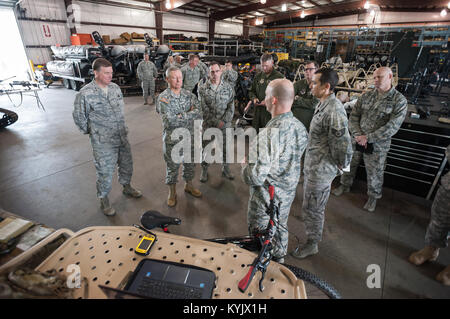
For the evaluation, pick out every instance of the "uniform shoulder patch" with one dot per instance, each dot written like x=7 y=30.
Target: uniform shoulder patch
x=163 y=99
x=338 y=133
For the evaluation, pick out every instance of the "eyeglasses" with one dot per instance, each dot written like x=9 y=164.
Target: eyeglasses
x=310 y=69
x=215 y=71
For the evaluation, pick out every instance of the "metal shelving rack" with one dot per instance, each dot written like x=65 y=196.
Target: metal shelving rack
x=189 y=44
x=365 y=38
x=231 y=46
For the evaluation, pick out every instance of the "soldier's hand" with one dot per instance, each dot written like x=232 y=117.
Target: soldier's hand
x=256 y=100
x=361 y=140
x=247 y=107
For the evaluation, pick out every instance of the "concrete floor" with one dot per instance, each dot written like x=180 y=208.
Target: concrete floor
x=47 y=175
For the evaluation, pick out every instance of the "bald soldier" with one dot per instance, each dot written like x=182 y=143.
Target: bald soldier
x=258 y=91
x=376 y=117
x=280 y=145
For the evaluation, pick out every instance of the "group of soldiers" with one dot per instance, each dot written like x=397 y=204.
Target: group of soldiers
x=308 y=120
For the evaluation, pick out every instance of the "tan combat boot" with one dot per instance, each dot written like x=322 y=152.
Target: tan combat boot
x=340 y=190
x=423 y=255
x=106 y=207
x=227 y=173
x=204 y=174
x=189 y=188
x=444 y=276
x=172 y=199
x=130 y=191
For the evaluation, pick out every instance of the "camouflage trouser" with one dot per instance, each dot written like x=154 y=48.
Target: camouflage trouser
x=439 y=226
x=257 y=218
x=106 y=157
x=148 y=88
x=172 y=168
x=375 y=164
x=224 y=147
x=315 y=198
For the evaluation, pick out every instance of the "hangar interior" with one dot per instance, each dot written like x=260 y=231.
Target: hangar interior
x=48 y=175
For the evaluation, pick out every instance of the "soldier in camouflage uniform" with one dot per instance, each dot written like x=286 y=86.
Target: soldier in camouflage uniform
x=258 y=91
x=147 y=72
x=192 y=73
x=329 y=150
x=178 y=109
x=172 y=61
x=280 y=147
x=376 y=117
x=205 y=69
x=98 y=111
x=229 y=75
x=217 y=105
x=438 y=229
x=304 y=102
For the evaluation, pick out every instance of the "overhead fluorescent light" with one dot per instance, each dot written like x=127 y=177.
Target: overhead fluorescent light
x=284 y=7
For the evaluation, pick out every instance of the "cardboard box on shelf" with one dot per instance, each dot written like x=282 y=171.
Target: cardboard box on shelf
x=135 y=35
x=126 y=36
x=119 y=41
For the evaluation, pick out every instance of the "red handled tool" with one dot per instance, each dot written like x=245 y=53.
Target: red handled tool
x=261 y=262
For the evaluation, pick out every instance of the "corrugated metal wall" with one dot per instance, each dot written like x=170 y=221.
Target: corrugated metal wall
x=38 y=35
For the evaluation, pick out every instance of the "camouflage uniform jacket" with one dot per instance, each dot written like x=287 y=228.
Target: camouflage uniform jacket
x=279 y=155
x=216 y=104
x=167 y=65
x=230 y=76
x=147 y=71
x=260 y=82
x=445 y=180
x=191 y=76
x=329 y=145
x=177 y=111
x=378 y=117
x=204 y=68
x=100 y=115
x=304 y=102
